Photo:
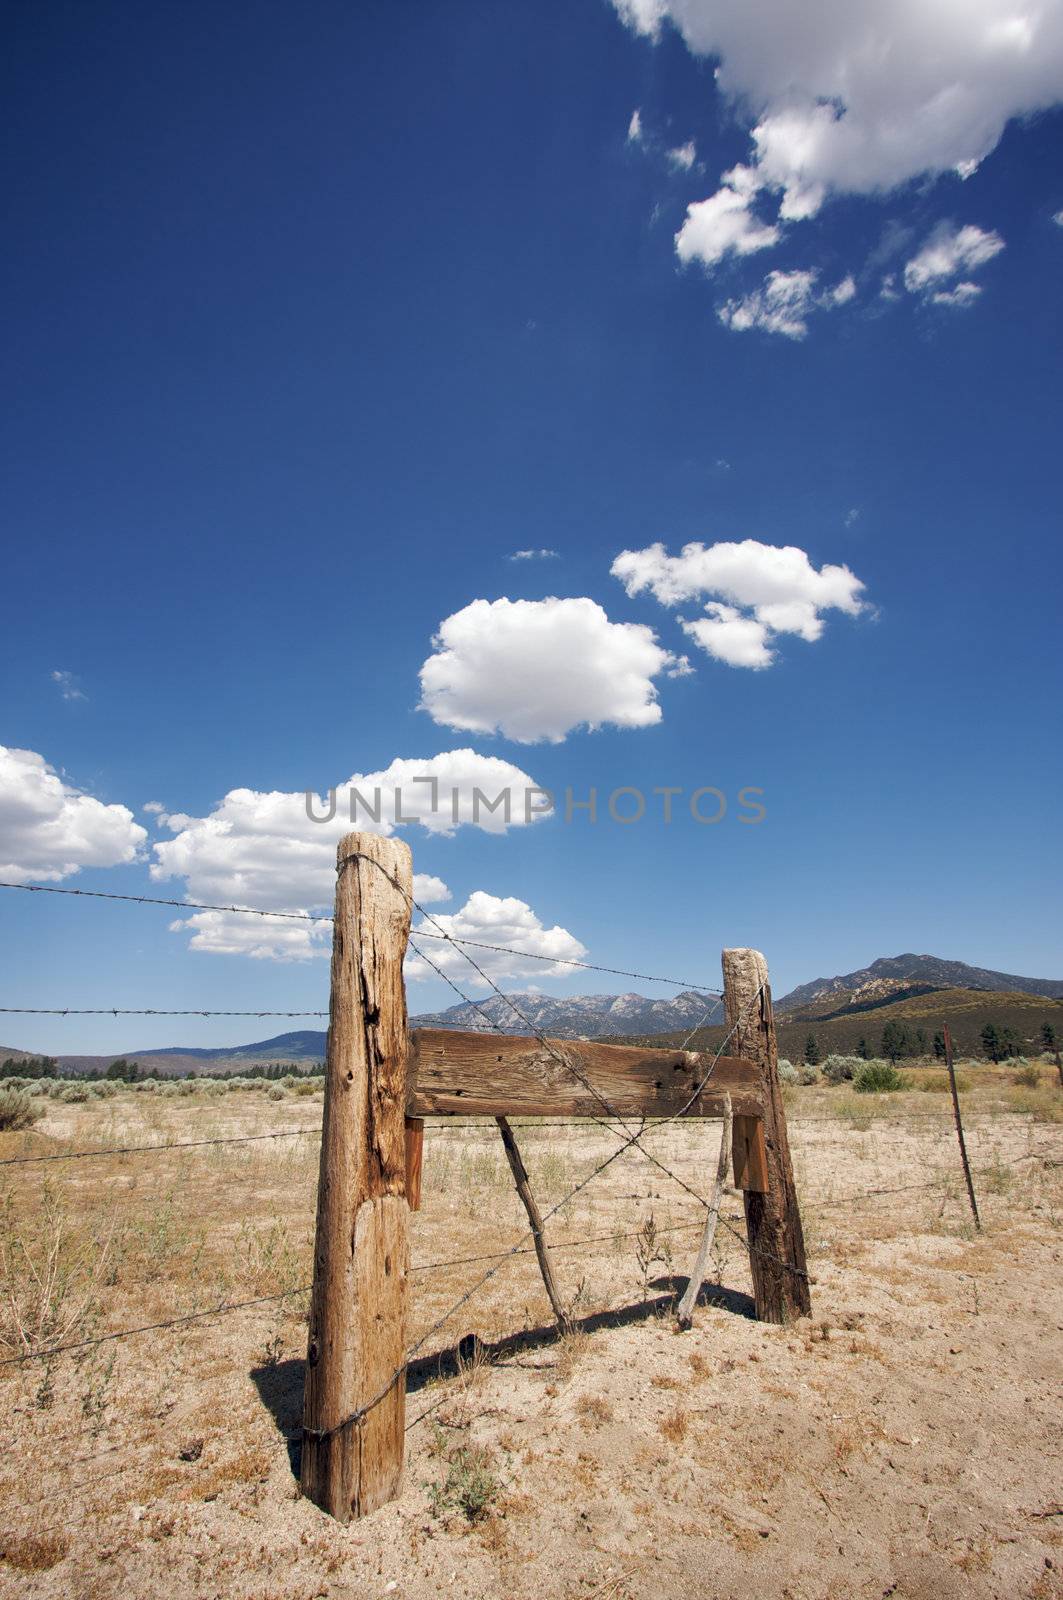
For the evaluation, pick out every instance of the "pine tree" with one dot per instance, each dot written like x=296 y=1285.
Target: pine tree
x=812 y=1055
x=1048 y=1036
x=894 y=1041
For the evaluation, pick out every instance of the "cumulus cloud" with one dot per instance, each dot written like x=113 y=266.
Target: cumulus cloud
x=783 y=304
x=726 y=634
x=948 y=254
x=49 y=829
x=508 y=922
x=1058 y=219
x=535 y=669
x=269 y=938
x=863 y=98
x=759 y=591
x=724 y=224
x=634 y=127
x=262 y=850
x=67 y=685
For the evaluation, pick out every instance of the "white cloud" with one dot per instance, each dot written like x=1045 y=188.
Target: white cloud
x=683 y=156
x=153 y=808
x=50 y=830
x=1058 y=219
x=534 y=555
x=863 y=98
x=760 y=591
x=266 y=938
x=261 y=850
x=948 y=253
x=497 y=921
x=535 y=669
x=724 y=224
x=634 y=127
x=729 y=636
x=783 y=304
x=67 y=685
x=962 y=294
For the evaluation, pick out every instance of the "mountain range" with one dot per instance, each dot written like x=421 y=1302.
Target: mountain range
x=839 y=1002
x=886 y=977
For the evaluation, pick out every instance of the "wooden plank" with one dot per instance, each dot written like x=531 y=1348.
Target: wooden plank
x=750 y=1154
x=462 y=1074
x=352 y=1457
x=773 y=1219
x=414 y=1161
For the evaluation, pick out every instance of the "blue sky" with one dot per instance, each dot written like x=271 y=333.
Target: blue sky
x=314 y=321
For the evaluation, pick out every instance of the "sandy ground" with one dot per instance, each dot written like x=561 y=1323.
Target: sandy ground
x=904 y=1441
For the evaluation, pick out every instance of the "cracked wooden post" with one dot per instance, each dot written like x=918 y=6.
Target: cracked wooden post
x=352 y=1459
x=773 y=1220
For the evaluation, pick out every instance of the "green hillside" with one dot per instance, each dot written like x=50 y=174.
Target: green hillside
x=965 y=1010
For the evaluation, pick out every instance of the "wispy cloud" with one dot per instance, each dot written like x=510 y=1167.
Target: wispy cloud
x=67 y=684
x=534 y=555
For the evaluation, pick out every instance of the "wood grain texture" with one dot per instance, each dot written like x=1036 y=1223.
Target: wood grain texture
x=773 y=1220
x=414 y=1161
x=482 y=1074
x=357 y=1310
x=750 y=1154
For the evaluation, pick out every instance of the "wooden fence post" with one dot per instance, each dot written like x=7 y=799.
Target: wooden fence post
x=361 y=1253
x=773 y=1220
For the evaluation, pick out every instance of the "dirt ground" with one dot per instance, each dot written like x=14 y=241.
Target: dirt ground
x=903 y=1441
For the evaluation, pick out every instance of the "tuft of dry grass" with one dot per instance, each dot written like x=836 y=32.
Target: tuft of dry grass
x=674 y=1425
x=594 y=1408
x=32 y=1552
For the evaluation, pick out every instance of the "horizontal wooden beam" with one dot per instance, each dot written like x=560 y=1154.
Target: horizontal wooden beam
x=452 y=1073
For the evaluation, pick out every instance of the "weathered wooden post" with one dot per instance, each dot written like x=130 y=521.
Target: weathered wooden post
x=773 y=1220
x=354 y=1404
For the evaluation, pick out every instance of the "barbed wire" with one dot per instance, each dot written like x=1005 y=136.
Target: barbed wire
x=142 y=1011
x=149 y=1149
x=309 y=916
x=150 y=1327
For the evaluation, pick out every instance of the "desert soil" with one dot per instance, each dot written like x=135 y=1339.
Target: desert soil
x=903 y=1441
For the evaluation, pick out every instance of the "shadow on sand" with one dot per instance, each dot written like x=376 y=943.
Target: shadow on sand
x=280 y=1386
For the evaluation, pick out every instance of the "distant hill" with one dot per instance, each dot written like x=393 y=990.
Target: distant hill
x=925 y=991
x=894 y=977
x=575 y=1016
x=965 y=1010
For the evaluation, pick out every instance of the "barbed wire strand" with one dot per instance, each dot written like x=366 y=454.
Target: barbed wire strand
x=309 y=916
x=151 y=1327
x=150 y=1149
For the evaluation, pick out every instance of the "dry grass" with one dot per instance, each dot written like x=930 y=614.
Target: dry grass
x=160 y=1446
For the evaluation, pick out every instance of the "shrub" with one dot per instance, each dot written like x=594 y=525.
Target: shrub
x=788 y=1073
x=1028 y=1076
x=877 y=1077
x=74 y=1094
x=841 y=1069
x=807 y=1074
x=309 y=1086
x=277 y=1091
x=17 y=1110
x=104 y=1090
x=471 y=1484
